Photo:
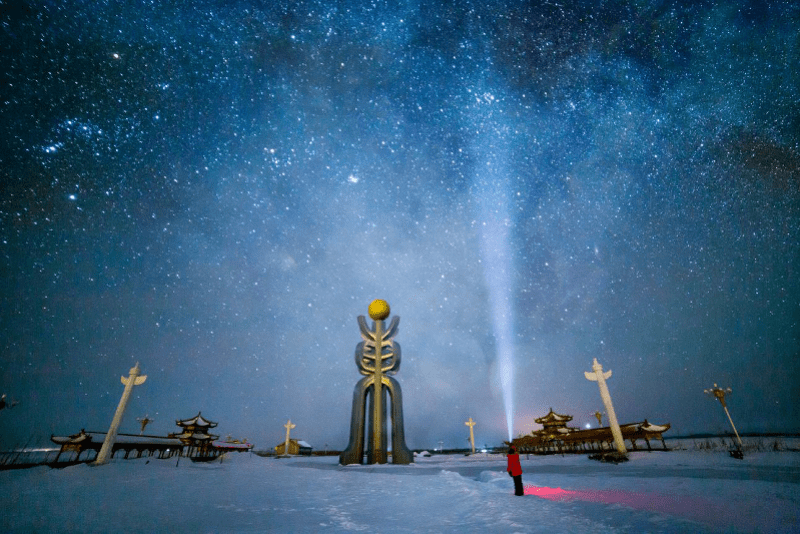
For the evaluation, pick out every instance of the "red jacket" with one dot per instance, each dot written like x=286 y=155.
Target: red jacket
x=513 y=465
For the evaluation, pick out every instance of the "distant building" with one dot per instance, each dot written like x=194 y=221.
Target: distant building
x=557 y=438
x=295 y=448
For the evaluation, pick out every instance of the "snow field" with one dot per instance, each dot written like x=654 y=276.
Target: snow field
x=677 y=491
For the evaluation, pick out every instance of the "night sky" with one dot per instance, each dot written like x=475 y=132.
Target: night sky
x=218 y=189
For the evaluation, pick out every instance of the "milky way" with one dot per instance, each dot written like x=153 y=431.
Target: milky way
x=218 y=189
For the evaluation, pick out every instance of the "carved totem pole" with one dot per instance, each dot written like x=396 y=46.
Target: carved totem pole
x=377 y=357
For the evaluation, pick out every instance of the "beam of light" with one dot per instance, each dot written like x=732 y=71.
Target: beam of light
x=492 y=198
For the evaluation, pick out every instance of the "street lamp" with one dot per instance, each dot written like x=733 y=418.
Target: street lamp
x=719 y=394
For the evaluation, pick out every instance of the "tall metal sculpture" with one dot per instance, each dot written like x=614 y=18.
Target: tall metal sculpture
x=377 y=357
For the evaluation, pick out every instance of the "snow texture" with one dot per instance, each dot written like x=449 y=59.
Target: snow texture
x=678 y=491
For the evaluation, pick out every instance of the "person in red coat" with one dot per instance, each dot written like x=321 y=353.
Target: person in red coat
x=515 y=470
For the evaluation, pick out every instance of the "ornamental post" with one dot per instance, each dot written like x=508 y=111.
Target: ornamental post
x=600 y=377
x=471 y=424
x=134 y=379
x=719 y=394
x=289 y=426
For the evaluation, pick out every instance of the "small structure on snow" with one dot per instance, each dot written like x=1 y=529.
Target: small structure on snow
x=296 y=447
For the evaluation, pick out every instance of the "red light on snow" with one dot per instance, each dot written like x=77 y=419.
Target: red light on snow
x=680 y=505
x=553 y=494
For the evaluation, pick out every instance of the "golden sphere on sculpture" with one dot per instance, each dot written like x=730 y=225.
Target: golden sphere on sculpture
x=379 y=310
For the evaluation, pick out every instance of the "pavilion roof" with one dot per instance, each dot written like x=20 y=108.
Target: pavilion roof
x=198 y=436
x=538 y=437
x=232 y=446
x=98 y=437
x=650 y=427
x=197 y=420
x=553 y=417
x=74 y=438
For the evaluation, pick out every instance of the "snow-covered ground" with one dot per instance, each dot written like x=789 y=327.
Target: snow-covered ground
x=678 y=491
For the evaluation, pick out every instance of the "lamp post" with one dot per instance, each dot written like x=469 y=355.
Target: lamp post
x=719 y=394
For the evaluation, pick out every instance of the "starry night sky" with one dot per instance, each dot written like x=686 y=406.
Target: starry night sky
x=217 y=189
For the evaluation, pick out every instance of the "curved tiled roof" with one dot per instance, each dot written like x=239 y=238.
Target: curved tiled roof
x=197 y=420
x=552 y=417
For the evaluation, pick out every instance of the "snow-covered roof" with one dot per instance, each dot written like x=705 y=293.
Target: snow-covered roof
x=198 y=436
x=99 y=437
x=75 y=438
x=649 y=427
x=148 y=439
x=197 y=420
x=304 y=444
x=553 y=416
x=230 y=445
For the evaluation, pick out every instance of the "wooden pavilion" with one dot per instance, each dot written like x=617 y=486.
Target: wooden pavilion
x=132 y=445
x=193 y=440
x=557 y=438
x=196 y=438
